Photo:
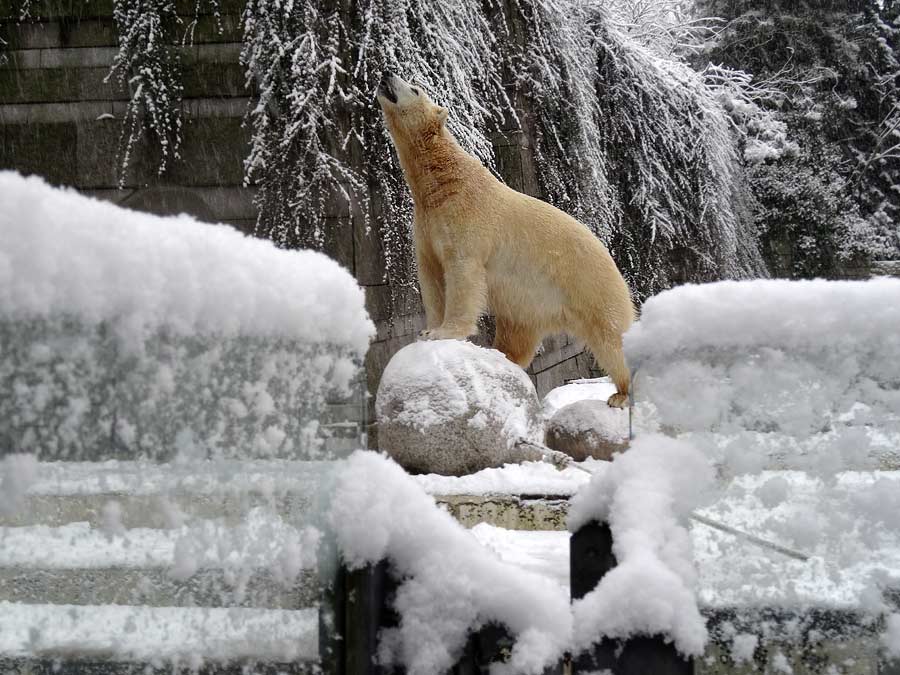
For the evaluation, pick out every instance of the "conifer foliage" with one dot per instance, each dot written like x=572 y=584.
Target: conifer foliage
x=830 y=71
x=631 y=141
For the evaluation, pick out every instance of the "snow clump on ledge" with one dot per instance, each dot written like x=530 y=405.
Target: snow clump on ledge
x=797 y=315
x=451 y=584
x=129 y=335
x=786 y=374
x=66 y=254
x=645 y=496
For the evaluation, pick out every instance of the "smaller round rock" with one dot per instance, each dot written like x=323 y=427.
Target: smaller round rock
x=453 y=408
x=588 y=429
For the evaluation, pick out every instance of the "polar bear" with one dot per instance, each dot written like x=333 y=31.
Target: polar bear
x=481 y=246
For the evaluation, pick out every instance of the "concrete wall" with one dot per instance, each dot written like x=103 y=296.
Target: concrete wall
x=60 y=119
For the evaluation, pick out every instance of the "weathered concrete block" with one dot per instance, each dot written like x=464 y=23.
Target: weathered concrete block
x=53 y=9
x=212 y=154
x=214 y=79
x=30 y=35
x=45 y=149
x=339 y=241
x=169 y=200
x=37 y=85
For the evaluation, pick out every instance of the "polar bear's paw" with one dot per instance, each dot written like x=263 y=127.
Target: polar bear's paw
x=617 y=400
x=441 y=334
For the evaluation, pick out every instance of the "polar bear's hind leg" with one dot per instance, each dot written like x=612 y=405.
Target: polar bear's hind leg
x=517 y=341
x=607 y=351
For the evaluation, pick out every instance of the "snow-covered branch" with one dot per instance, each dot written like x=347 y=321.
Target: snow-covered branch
x=148 y=64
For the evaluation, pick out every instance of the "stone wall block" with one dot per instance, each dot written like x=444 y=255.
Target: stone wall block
x=48 y=150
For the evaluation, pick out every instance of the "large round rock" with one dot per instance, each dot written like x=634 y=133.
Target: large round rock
x=451 y=407
x=588 y=428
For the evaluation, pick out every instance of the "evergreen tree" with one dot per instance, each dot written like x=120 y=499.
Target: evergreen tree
x=830 y=202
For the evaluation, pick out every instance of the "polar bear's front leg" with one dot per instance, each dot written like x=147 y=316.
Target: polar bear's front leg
x=431 y=283
x=465 y=293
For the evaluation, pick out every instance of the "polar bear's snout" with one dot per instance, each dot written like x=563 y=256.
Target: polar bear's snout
x=395 y=90
x=386 y=88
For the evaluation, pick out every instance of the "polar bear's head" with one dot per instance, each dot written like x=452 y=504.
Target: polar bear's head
x=408 y=112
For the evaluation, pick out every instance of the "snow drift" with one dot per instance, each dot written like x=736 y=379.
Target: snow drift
x=128 y=334
x=798 y=374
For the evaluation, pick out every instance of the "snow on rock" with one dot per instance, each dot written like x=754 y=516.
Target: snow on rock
x=645 y=496
x=451 y=585
x=451 y=407
x=588 y=428
x=128 y=334
x=590 y=389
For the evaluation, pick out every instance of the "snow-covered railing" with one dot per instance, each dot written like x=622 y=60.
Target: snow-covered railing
x=791 y=392
x=129 y=335
x=774 y=374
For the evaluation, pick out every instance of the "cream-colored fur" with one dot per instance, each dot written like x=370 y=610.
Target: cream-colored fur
x=481 y=246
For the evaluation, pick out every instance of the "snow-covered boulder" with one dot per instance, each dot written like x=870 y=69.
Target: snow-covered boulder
x=453 y=408
x=588 y=428
x=126 y=335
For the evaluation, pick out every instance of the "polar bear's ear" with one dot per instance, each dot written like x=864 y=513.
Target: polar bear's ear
x=442 y=113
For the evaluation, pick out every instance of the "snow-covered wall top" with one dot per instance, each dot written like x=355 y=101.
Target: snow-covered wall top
x=126 y=335
x=798 y=373
x=782 y=314
x=64 y=253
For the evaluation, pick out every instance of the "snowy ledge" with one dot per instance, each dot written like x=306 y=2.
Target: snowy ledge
x=64 y=254
x=190 y=636
x=128 y=335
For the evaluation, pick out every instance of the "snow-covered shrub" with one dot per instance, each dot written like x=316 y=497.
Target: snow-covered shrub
x=449 y=584
x=808 y=222
x=633 y=143
x=127 y=334
x=319 y=145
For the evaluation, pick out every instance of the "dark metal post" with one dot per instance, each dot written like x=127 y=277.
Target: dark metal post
x=366 y=611
x=591 y=557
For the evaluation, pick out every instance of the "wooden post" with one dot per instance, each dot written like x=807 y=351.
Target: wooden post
x=591 y=557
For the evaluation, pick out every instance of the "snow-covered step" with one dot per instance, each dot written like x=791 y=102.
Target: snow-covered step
x=157 y=588
x=162 y=510
x=152 y=495
x=264 y=561
x=158 y=635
